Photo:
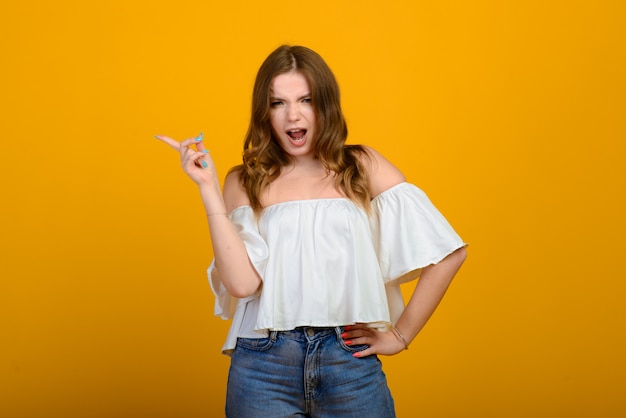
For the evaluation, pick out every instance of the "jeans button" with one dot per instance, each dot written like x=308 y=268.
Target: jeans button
x=310 y=332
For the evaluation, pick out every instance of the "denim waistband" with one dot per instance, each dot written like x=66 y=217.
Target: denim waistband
x=308 y=333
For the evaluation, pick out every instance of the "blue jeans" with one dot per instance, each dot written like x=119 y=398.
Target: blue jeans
x=305 y=372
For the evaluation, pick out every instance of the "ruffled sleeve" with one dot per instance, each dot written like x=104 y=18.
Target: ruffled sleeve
x=244 y=220
x=409 y=234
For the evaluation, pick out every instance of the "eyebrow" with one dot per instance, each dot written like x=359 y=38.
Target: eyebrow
x=299 y=98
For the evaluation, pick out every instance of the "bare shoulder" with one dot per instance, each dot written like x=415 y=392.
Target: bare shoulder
x=234 y=193
x=382 y=173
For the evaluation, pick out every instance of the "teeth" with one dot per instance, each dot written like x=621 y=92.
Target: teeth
x=297 y=134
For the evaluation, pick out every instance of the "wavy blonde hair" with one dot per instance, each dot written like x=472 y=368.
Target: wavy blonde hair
x=263 y=157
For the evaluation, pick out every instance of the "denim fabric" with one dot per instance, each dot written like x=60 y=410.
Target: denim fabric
x=305 y=372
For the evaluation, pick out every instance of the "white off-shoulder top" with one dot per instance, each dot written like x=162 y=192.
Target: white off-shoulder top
x=325 y=262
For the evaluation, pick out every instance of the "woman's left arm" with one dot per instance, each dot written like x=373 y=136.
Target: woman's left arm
x=429 y=291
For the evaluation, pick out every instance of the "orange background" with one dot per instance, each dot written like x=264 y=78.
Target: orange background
x=510 y=115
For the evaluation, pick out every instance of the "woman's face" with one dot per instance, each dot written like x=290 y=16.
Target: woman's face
x=291 y=113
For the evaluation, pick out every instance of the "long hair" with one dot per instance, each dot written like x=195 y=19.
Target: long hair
x=262 y=155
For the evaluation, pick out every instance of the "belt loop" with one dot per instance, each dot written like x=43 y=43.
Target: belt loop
x=273 y=335
x=338 y=332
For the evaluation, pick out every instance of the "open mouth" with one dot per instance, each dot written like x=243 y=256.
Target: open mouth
x=297 y=135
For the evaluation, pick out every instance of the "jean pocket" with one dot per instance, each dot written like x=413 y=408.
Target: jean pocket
x=255 y=344
x=354 y=348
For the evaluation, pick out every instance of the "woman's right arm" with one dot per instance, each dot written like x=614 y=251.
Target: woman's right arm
x=231 y=257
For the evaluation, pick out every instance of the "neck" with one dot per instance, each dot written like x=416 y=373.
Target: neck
x=304 y=163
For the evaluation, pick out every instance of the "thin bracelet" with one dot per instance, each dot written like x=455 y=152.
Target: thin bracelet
x=397 y=331
x=217 y=213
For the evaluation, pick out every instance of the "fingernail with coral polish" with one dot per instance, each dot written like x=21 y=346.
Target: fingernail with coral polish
x=204 y=164
x=348 y=342
x=356 y=355
x=200 y=137
x=344 y=335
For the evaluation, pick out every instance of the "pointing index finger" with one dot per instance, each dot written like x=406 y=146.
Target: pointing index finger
x=169 y=141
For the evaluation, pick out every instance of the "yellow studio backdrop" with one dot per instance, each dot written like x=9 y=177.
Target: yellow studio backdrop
x=510 y=115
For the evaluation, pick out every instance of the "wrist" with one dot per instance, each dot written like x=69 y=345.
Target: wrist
x=225 y=214
x=400 y=336
x=213 y=200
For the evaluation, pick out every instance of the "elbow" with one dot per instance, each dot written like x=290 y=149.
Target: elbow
x=239 y=282
x=243 y=290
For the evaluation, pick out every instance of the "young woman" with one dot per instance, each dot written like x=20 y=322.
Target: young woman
x=312 y=238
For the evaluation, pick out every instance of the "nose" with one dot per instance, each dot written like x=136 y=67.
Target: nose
x=293 y=113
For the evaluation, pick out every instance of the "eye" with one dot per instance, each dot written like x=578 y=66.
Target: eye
x=275 y=103
x=306 y=100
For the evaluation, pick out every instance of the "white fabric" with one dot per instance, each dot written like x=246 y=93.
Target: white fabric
x=324 y=262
